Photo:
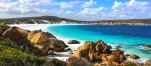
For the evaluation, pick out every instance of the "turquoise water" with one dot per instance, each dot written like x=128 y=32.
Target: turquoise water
x=131 y=38
x=76 y=32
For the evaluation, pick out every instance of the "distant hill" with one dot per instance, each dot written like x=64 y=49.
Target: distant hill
x=56 y=20
x=37 y=19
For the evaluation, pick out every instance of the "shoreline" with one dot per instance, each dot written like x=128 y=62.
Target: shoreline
x=25 y=26
x=59 y=55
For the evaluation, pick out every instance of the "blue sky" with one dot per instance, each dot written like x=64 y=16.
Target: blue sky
x=77 y=9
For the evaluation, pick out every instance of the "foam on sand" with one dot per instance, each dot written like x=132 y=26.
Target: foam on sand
x=60 y=55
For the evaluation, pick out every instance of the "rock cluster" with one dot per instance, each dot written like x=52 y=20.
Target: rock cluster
x=99 y=52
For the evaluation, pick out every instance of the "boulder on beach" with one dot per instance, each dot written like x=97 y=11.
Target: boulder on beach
x=133 y=56
x=50 y=44
x=148 y=62
x=57 y=45
x=37 y=36
x=15 y=33
x=146 y=46
x=73 y=42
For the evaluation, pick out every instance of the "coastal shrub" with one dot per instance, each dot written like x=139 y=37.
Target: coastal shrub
x=130 y=64
x=54 y=62
x=11 y=55
x=74 y=61
x=24 y=47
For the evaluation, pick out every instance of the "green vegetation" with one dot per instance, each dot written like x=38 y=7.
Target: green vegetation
x=55 y=62
x=11 y=55
x=131 y=64
x=74 y=61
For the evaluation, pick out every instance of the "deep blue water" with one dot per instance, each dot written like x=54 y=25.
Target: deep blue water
x=131 y=38
x=137 y=31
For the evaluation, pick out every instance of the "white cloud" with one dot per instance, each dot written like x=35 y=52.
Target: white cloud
x=120 y=10
x=116 y=4
x=69 y=4
x=88 y=4
x=92 y=11
x=130 y=9
x=131 y=2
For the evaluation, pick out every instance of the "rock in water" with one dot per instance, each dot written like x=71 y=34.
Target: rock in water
x=146 y=46
x=73 y=42
x=133 y=56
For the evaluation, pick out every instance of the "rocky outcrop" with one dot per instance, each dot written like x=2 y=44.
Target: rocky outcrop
x=133 y=56
x=15 y=33
x=73 y=42
x=99 y=52
x=45 y=41
x=37 y=36
x=146 y=46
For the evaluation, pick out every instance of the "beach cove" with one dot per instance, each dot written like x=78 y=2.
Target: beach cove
x=131 y=45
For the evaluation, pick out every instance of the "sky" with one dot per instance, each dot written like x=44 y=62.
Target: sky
x=77 y=9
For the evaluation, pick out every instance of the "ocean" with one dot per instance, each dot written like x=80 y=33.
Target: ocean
x=131 y=38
